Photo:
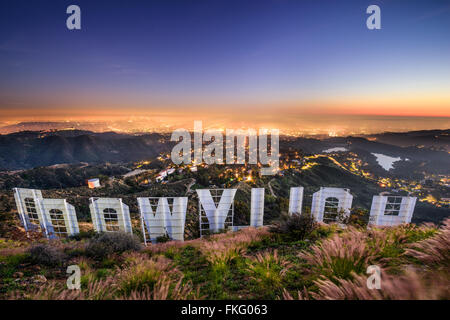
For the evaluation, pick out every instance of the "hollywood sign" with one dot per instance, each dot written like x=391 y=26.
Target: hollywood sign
x=166 y=216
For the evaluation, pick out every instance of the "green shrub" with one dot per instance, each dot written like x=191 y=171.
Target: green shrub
x=75 y=252
x=44 y=254
x=297 y=226
x=342 y=255
x=163 y=239
x=9 y=265
x=108 y=243
x=83 y=235
x=266 y=273
x=140 y=273
x=102 y=273
x=358 y=217
x=324 y=231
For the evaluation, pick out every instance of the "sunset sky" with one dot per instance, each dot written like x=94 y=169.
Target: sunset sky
x=271 y=57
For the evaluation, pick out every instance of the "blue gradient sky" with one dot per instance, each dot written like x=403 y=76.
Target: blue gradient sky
x=313 y=56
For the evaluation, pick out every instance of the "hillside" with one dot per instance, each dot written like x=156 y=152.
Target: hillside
x=69 y=182
x=419 y=158
x=435 y=139
x=297 y=260
x=31 y=149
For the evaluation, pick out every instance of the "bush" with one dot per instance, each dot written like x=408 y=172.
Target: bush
x=359 y=217
x=297 y=226
x=163 y=239
x=83 y=235
x=46 y=255
x=142 y=276
x=105 y=244
x=342 y=255
x=267 y=271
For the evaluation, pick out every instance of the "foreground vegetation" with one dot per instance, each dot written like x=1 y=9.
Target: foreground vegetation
x=294 y=259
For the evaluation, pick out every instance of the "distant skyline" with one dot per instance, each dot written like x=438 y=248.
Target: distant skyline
x=265 y=59
x=329 y=125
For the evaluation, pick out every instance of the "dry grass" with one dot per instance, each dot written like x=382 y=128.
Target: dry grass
x=429 y=280
x=140 y=278
x=218 y=248
x=434 y=251
x=414 y=262
x=411 y=286
x=341 y=255
x=140 y=273
x=267 y=270
x=268 y=259
x=166 y=289
x=96 y=290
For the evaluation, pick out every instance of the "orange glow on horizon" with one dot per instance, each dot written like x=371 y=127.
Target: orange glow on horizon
x=94 y=114
x=394 y=105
